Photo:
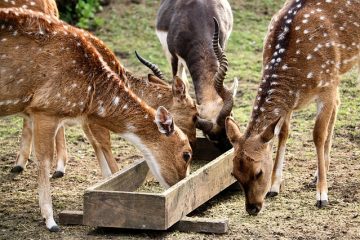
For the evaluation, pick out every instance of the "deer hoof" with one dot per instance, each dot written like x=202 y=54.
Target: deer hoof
x=54 y=228
x=321 y=203
x=271 y=194
x=58 y=174
x=17 y=169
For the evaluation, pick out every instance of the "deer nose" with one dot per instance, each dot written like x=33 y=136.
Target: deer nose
x=253 y=209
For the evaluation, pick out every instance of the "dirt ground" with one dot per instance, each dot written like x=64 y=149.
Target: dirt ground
x=291 y=215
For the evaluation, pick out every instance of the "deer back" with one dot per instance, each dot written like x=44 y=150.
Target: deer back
x=45 y=6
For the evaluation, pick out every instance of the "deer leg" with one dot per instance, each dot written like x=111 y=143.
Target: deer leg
x=102 y=135
x=320 y=135
x=25 y=147
x=45 y=128
x=328 y=141
x=99 y=138
x=61 y=153
x=280 y=159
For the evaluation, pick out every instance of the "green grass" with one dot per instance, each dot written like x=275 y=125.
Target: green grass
x=130 y=27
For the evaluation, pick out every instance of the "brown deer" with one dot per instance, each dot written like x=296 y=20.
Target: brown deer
x=77 y=84
x=175 y=98
x=308 y=46
x=48 y=7
x=185 y=30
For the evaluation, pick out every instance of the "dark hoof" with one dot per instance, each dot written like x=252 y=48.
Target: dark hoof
x=17 y=169
x=58 y=174
x=54 y=228
x=322 y=203
x=271 y=194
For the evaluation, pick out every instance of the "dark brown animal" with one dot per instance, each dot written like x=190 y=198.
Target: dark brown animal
x=185 y=29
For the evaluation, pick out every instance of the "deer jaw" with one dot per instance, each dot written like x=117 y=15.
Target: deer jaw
x=157 y=159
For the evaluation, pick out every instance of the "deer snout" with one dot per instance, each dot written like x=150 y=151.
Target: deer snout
x=253 y=209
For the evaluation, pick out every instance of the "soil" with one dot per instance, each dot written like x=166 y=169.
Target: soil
x=290 y=215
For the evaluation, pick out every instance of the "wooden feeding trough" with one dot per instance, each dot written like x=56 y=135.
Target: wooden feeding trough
x=114 y=202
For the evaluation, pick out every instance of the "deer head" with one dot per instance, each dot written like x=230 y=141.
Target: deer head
x=252 y=162
x=181 y=105
x=215 y=131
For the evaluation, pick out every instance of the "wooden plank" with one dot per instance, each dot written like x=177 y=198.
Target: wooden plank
x=199 y=187
x=187 y=224
x=111 y=204
x=202 y=225
x=124 y=210
x=68 y=217
x=128 y=179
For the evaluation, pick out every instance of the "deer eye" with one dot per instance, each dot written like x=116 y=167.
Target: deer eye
x=259 y=174
x=186 y=156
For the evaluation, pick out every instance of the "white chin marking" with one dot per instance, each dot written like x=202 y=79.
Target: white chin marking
x=149 y=157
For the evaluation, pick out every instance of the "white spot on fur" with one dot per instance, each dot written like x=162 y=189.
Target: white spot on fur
x=116 y=101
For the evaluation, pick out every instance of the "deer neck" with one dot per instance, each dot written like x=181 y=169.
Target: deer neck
x=203 y=65
x=118 y=109
x=273 y=101
x=277 y=94
x=153 y=94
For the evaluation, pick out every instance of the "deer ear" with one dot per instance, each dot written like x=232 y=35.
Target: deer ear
x=232 y=131
x=179 y=88
x=164 y=121
x=268 y=134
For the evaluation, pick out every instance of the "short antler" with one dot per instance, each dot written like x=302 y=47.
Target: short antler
x=150 y=65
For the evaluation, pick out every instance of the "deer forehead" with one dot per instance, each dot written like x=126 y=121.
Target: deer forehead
x=181 y=134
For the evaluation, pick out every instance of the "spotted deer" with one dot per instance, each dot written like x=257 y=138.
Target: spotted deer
x=152 y=90
x=175 y=98
x=48 y=7
x=77 y=84
x=185 y=29
x=308 y=46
